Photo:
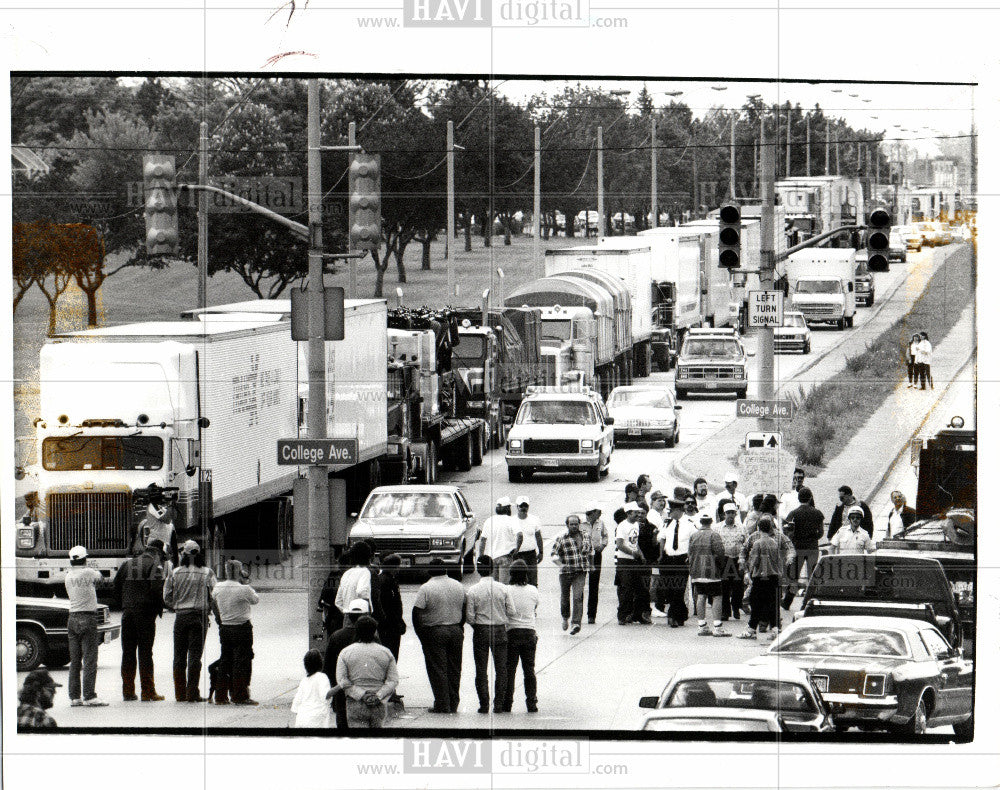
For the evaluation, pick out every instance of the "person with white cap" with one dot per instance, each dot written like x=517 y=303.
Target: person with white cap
x=527 y=527
x=732 y=495
x=628 y=562
x=733 y=537
x=854 y=539
x=595 y=527
x=706 y=559
x=498 y=541
x=339 y=639
x=188 y=591
x=81 y=587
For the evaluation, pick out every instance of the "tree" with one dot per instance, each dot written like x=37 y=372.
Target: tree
x=45 y=254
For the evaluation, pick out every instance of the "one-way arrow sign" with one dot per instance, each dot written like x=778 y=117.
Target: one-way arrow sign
x=763 y=439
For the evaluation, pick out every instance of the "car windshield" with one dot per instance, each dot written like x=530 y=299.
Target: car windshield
x=859 y=577
x=556 y=329
x=78 y=453
x=410 y=504
x=716 y=347
x=817 y=287
x=469 y=347
x=793 y=321
x=843 y=641
x=741 y=693
x=559 y=412
x=656 y=399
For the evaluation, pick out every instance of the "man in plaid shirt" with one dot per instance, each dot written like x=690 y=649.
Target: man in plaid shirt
x=572 y=552
x=35 y=698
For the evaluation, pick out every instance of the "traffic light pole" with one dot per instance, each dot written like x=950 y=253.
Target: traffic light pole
x=765 y=345
x=318 y=563
x=203 y=217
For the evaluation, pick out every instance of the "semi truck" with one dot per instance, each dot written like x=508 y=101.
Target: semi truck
x=190 y=410
x=630 y=265
x=821 y=284
x=817 y=204
x=586 y=329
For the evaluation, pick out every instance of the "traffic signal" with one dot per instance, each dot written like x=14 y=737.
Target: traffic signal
x=365 y=213
x=730 y=225
x=159 y=176
x=877 y=242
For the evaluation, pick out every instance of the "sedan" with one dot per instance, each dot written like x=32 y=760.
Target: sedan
x=880 y=672
x=419 y=523
x=705 y=690
x=708 y=720
x=793 y=334
x=645 y=411
x=42 y=632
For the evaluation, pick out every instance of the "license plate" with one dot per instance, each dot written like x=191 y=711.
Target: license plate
x=405 y=562
x=635 y=431
x=550 y=463
x=822 y=682
x=711 y=385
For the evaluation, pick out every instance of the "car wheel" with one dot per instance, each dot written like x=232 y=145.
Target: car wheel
x=918 y=724
x=30 y=648
x=742 y=393
x=594 y=473
x=514 y=474
x=468 y=561
x=671 y=440
x=850 y=322
x=963 y=729
x=841 y=324
x=870 y=302
x=807 y=348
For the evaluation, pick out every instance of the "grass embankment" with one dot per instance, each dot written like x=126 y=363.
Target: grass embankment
x=830 y=414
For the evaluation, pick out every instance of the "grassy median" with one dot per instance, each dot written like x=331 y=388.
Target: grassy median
x=830 y=414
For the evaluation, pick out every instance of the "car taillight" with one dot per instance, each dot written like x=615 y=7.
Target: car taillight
x=874 y=686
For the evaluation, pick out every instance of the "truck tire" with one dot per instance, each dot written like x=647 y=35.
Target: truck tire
x=680 y=394
x=841 y=324
x=480 y=441
x=514 y=474
x=30 y=648
x=463 y=453
x=850 y=321
x=742 y=393
x=430 y=467
x=594 y=473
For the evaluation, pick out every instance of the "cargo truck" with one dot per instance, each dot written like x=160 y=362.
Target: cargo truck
x=632 y=266
x=817 y=204
x=821 y=284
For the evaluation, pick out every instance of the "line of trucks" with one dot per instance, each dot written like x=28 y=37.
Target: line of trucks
x=193 y=409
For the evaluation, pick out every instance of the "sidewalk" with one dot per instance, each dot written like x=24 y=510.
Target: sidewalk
x=866 y=459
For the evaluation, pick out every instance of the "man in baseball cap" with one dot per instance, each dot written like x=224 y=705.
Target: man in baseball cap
x=497 y=540
x=35 y=698
x=527 y=530
x=81 y=588
x=593 y=526
x=188 y=591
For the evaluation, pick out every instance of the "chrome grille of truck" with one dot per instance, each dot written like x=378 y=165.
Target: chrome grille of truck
x=819 y=309
x=98 y=521
x=551 y=446
x=402 y=545
x=713 y=372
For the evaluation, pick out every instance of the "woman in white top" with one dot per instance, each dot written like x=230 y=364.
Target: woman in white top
x=310 y=706
x=924 y=351
x=911 y=361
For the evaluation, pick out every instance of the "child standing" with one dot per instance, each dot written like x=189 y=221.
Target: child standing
x=310 y=706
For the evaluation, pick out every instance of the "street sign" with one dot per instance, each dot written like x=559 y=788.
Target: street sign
x=317 y=452
x=763 y=439
x=765 y=409
x=766 y=308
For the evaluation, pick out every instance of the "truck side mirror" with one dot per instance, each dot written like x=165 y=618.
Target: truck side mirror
x=850 y=287
x=648 y=702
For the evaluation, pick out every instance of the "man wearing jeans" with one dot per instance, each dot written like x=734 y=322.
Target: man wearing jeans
x=571 y=552
x=489 y=608
x=139 y=590
x=598 y=542
x=188 y=592
x=81 y=587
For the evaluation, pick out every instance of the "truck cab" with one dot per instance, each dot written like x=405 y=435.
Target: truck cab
x=560 y=429
x=711 y=361
x=475 y=361
x=569 y=338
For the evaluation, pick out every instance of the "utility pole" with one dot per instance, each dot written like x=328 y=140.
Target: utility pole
x=203 y=216
x=694 y=184
x=449 y=258
x=319 y=506
x=600 y=186
x=352 y=265
x=788 y=145
x=654 y=208
x=765 y=346
x=808 y=148
x=836 y=149
x=536 y=241
x=827 y=147
x=732 y=156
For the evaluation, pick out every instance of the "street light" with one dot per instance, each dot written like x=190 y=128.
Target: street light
x=500 y=276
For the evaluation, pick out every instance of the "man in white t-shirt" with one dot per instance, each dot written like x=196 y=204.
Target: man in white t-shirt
x=81 y=588
x=528 y=538
x=498 y=540
x=790 y=499
x=628 y=560
x=731 y=494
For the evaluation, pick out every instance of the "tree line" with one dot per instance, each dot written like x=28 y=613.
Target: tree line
x=93 y=133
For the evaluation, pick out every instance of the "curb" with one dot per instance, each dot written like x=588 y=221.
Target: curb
x=677 y=468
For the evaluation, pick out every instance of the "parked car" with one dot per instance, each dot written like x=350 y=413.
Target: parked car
x=558 y=430
x=793 y=334
x=897 y=245
x=930 y=234
x=706 y=689
x=709 y=720
x=645 y=411
x=889 y=584
x=42 y=631
x=879 y=672
x=864 y=283
x=419 y=523
x=914 y=240
x=711 y=361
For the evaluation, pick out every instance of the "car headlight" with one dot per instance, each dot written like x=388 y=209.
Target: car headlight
x=26 y=537
x=586 y=444
x=682 y=373
x=741 y=373
x=443 y=543
x=515 y=444
x=874 y=686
